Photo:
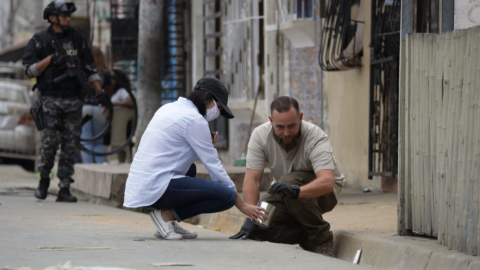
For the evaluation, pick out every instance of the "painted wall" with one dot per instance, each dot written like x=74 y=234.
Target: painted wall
x=306 y=84
x=467 y=13
x=336 y=101
x=347 y=94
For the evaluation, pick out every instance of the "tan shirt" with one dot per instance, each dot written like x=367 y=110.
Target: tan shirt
x=313 y=153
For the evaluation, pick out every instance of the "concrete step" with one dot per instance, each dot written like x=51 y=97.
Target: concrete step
x=106 y=182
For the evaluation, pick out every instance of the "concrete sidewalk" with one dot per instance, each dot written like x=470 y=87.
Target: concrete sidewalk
x=361 y=221
x=39 y=234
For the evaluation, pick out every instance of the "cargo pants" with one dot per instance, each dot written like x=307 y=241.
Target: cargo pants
x=63 y=127
x=298 y=221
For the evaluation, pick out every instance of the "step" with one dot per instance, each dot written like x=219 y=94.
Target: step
x=106 y=182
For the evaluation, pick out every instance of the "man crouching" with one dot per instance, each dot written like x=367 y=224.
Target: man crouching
x=308 y=184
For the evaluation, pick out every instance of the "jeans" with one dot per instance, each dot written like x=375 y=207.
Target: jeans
x=188 y=196
x=90 y=129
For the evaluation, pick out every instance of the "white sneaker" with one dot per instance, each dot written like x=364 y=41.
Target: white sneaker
x=186 y=234
x=165 y=229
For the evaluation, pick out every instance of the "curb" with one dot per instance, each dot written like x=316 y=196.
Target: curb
x=399 y=252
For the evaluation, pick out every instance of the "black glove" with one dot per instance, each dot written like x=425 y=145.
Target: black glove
x=248 y=230
x=281 y=188
x=58 y=60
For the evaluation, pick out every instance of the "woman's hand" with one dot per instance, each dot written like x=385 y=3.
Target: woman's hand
x=215 y=138
x=254 y=212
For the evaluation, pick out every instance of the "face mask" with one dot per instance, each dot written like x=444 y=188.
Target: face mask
x=212 y=113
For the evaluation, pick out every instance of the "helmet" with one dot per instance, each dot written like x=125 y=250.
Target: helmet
x=58 y=7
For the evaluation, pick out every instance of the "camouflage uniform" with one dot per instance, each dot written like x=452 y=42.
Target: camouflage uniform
x=48 y=56
x=63 y=117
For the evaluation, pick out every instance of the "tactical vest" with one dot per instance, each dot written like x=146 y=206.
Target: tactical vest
x=68 y=87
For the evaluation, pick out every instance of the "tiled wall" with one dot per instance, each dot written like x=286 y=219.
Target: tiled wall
x=306 y=82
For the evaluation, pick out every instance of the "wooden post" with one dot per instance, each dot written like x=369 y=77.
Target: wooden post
x=473 y=207
x=439 y=183
x=476 y=164
x=401 y=142
x=408 y=140
x=415 y=151
x=432 y=134
x=461 y=210
x=449 y=140
x=427 y=213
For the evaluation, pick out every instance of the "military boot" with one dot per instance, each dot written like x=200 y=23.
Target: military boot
x=326 y=248
x=65 y=196
x=42 y=190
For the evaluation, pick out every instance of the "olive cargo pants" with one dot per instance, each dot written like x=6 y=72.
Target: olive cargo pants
x=298 y=221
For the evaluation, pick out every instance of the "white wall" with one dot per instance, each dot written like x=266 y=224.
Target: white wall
x=467 y=13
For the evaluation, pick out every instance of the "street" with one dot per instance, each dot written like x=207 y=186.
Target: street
x=41 y=234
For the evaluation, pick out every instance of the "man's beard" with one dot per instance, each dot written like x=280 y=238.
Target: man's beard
x=288 y=146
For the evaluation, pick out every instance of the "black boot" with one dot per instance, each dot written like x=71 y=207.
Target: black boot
x=65 y=196
x=42 y=190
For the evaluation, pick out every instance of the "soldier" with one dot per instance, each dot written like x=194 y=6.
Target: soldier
x=61 y=101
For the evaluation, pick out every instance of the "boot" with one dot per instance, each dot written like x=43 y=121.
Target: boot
x=65 y=196
x=42 y=190
x=326 y=248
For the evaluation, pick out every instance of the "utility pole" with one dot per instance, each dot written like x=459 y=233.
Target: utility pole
x=149 y=62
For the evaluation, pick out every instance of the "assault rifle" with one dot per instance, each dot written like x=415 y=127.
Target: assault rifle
x=72 y=70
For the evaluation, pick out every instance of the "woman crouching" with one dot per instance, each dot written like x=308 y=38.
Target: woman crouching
x=162 y=174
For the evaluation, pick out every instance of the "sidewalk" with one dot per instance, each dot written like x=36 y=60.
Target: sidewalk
x=361 y=221
x=40 y=234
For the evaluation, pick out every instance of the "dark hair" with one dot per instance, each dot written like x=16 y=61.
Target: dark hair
x=198 y=98
x=284 y=104
x=121 y=80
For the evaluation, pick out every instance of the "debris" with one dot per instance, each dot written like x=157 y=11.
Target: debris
x=69 y=266
x=171 y=264
x=76 y=248
x=357 y=257
x=366 y=190
x=11 y=268
x=138 y=239
x=217 y=229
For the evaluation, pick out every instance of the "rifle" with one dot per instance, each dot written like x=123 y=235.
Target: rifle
x=73 y=70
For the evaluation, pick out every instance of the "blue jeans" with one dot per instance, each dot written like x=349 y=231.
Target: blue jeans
x=90 y=129
x=188 y=196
